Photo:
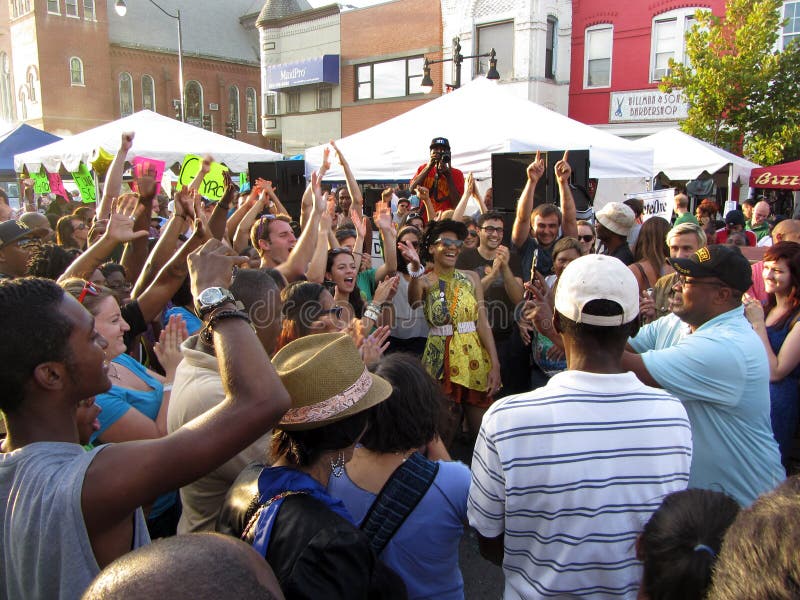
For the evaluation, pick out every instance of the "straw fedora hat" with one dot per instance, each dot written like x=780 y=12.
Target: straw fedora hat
x=326 y=380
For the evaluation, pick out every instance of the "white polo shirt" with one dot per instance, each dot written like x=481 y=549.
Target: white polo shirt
x=570 y=473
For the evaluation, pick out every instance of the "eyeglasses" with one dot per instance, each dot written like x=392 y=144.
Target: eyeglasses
x=338 y=251
x=79 y=227
x=88 y=289
x=448 y=243
x=123 y=286
x=684 y=281
x=490 y=230
x=412 y=216
x=586 y=238
x=262 y=221
x=336 y=311
x=472 y=233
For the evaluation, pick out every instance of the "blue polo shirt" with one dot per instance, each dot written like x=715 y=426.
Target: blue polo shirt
x=721 y=374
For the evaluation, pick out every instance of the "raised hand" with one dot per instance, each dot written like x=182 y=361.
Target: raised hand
x=265 y=185
x=359 y=222
x=382 y=216
x=184 y=205
x=409 y=254
x=316 y=188
x=339 y=156
x=375 y=345
x=211 y=265
x=386 y=289
x=563 y=169
x=168 y=347
x=119 y=227
x=536 y=168
x=422 y=193
x=127 y=141
x=326 y=161
x=205 y=166
x=231 y=189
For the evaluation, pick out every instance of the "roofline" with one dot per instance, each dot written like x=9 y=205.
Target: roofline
x=301 y=17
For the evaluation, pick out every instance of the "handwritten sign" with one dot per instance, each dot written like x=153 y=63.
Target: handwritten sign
x=657 y=203
x=41 y=185
x=57 y=186
x=142 y=165
x=213 y=184
x=85 y=182
x=242 y=179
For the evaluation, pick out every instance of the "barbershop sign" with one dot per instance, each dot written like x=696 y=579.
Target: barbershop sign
x=647 y=105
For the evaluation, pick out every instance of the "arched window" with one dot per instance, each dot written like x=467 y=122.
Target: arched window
x=6 y=94
x=252 y=110
x=125 y=94
x=76 y=71
x=148 y=93
x=32 y=78
x=233 y=107
x=23 y=103
x=194 y=103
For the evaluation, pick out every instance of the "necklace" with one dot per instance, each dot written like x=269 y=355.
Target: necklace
x=113 y=371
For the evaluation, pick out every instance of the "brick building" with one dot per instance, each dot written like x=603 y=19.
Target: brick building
x=70 y=65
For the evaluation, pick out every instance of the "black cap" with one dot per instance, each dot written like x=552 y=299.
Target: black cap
x=734 y=217
x=11 y=231
x=726 y=263
x=440 y=141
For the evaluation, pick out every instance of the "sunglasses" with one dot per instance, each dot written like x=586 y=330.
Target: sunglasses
x=336 y=311
x=262 y=222
x=472 y=233
x=88 y=289
x=340 y=250
x=586 y=238
x=448 y=243
x=412 y=216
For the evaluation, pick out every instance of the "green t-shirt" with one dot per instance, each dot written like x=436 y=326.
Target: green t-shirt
x=366 y=283
x=686 y=217
x=761 y=231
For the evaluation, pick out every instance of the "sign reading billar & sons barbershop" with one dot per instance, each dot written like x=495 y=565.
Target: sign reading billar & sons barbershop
x=647 y=105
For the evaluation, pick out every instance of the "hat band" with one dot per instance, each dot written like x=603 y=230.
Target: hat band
x=331 y=407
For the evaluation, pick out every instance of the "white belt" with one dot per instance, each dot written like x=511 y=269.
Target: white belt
x=447 y=330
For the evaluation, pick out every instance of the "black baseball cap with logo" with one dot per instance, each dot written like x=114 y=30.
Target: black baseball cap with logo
x=440 y=141
x=726 y=263
x=11 y=231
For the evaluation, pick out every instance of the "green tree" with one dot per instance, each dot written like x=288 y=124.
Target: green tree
x=743 y=95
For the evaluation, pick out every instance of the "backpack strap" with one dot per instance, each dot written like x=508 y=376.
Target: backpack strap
x=397 y=499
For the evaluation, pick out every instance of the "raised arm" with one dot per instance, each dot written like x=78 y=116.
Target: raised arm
x=127 y=475
x=424 y=196
x=521 y=230
x=382 y=217
x=219 y=216
x=241 y=238
x=135 y=253
x=569 y=220
x=205 y=168
x=316 y=268
x=297 y=263
x=783 y=363
x=307 y=202
x=113 y=183
x=276 y=207
x=352 y=184
x=469 y=191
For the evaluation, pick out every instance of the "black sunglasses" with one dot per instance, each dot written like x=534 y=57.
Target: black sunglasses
x=586 y=238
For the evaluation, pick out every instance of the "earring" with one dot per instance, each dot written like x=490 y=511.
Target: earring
x=337 y=465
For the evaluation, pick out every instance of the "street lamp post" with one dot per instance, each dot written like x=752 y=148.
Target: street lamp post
x=427 y=83
x=121 y=9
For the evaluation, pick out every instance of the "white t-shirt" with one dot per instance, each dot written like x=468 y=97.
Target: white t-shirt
x=569 y=473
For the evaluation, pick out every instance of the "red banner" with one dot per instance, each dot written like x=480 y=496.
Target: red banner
x=782 y=177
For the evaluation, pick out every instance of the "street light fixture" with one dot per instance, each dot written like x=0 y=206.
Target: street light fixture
x=427 y=83
x=121 y=9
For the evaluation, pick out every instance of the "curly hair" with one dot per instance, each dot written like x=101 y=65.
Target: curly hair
x=433 y=232
x=50 y=260
x=35 y=331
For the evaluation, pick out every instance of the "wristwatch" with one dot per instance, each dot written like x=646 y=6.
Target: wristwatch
x=211 y=298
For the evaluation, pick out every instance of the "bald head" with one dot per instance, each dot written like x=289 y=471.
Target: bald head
x=35 y=220
x=194 y=566
x=760 y=212
x=787 y=230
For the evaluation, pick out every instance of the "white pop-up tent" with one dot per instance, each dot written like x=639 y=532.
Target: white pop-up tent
x=479 y=119
x=156 y=137
x=682 y=157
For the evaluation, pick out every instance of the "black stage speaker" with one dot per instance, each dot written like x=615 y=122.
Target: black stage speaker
x=509 y=175
x=287 y=177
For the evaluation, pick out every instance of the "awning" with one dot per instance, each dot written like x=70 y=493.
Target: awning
x=322 y=69
x=781 y=177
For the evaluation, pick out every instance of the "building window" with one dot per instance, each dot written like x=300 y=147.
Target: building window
x=597 y=65
x=324 y=98
x=31 y=79
x=125 y=94
x=669 y=40
x=88 y=10
x=193 y=110
x=148 y=93
x=252 y=110
x=550 y=49
x=71 y=8
x=791 y=12
x=53 y=7
x=389 y=79
x=23 y=103
x=499 y=36
x=6 y=93
x=233 y=106
x=76 y=71
x=19 y=8
x=270 y=103
x=293 y=102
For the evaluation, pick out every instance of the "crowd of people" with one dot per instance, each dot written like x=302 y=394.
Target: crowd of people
x=227 y=399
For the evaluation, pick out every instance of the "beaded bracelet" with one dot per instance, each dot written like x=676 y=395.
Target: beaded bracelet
x=207 y=333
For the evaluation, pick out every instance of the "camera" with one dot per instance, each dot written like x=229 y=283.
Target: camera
x=446 y=157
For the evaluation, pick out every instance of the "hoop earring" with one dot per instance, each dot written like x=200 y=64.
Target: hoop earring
x=337 y=465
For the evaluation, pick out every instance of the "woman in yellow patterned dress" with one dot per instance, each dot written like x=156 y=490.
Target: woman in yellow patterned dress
x=460 y=351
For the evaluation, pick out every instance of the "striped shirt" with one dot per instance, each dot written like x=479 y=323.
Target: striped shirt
x=569 y=474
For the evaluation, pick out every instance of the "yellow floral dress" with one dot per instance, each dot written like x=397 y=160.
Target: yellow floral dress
x=458 y=359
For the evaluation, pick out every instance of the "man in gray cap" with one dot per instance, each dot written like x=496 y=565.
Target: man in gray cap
x=16 y=242
x=614 y=222
x=719 y=372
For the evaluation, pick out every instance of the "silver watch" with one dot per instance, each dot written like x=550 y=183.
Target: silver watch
x=211 y=298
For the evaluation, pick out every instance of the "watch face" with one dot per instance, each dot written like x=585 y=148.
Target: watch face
x=210 y=296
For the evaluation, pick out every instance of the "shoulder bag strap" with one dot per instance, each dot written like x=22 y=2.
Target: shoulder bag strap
x=397 y=499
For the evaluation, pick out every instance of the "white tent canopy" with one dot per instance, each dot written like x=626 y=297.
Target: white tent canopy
x=682 y=157
x=479 y=119
x=157 y=137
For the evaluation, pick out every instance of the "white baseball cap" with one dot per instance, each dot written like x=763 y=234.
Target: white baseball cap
x=597 y=277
